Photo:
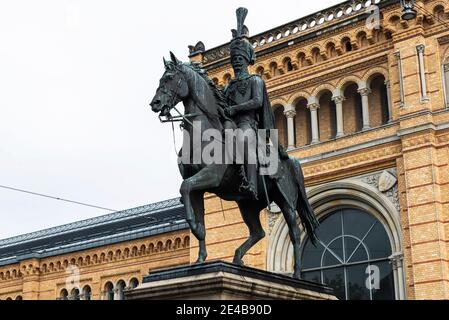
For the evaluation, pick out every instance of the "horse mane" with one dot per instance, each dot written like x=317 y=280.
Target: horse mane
x=218 y=93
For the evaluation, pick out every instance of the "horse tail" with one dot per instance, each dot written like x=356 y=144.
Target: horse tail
x=305 y=211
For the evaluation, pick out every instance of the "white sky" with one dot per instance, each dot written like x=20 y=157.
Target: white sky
x=76 y=78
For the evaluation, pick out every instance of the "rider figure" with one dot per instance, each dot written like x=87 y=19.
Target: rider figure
x=248 y=103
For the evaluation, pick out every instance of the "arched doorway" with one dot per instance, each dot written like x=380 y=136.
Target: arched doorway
x=352 y=257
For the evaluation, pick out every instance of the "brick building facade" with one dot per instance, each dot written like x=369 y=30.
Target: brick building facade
x=365 y=110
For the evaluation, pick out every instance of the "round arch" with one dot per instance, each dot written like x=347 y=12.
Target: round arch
x=294 y=98
x=277 y=103
x=332 y=196
x=322 y=88
x=370 y=74
x=347 y=80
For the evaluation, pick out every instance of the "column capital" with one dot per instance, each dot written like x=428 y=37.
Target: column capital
x=290 y=113
x=364 y=91
x=338 y=99
x=397 y=54
x=420 y=48
x=313 y=106
x=446 y=67
x=396 y=260
x=387 y=83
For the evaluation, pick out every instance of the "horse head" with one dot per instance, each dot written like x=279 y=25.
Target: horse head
x=172 y=88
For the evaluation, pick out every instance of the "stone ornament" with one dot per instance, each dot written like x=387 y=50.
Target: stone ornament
x=386 y=181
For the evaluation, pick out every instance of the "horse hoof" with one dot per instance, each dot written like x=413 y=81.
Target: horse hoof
x=200 y=259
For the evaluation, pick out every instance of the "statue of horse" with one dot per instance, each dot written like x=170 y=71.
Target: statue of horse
x=202 y=100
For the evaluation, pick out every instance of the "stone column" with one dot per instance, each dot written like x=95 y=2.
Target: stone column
x=339 y=113
x=446 y=83
x=401 y=78
x=390 y=110
x=364 y=92
x=290 y=113
x=313 y=106
x=422 y=73
x=396 y=260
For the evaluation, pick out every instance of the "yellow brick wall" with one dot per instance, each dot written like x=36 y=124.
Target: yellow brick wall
x=122 y=261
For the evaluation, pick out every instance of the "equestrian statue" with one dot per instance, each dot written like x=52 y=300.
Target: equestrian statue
x=242 y=106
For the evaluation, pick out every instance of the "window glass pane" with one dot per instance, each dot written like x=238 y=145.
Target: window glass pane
x=311 y=257
x=378 y=242
x=356 y=222
x=330 y=260
x=343 y=246
x=330 y=228
x=355 y=251
x=386 y=283
x=336 y=247
x=358 y=282
x=334 y=278
x=314 y=276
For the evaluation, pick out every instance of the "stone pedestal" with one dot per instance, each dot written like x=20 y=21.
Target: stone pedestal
x=218 y=280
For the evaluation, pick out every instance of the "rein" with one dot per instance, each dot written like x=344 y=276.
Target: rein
x=183 y=117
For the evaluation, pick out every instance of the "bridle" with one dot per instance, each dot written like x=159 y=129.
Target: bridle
x=180 y=117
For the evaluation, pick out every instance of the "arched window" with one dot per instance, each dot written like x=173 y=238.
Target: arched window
x=19 y=298
x=352 y=108
x=87 y=293
x=327 y=118
x=352 y=256
x=378 y=101
x=120 y=288
x=303 y=128
x=109 y=291
x=75 y=294
x=133 y=283
x=64 y=295
x=346 y=43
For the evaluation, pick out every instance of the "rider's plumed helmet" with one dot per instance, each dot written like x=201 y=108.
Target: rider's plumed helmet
x=239 y=43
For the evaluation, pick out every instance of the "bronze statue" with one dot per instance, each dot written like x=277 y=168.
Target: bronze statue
x=244 y=104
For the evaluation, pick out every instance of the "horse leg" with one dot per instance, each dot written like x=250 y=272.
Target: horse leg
x=293 y=230
x=250 y=211
x=206 y=179
x=197 y=198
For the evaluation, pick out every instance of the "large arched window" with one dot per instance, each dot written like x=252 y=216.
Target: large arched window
x=352 y=256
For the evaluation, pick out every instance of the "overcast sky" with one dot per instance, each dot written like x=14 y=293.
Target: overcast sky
x=76 y=78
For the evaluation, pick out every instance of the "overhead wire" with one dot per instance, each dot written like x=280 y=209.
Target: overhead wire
x=56 y=198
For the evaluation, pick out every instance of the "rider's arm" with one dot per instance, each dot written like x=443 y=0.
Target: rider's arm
x=256 y=100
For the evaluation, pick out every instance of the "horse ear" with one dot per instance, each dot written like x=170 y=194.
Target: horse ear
x=166 y=64
x=174 y=59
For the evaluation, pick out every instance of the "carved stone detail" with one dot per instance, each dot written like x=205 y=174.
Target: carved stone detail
x=388 y=188
x=272 y=216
